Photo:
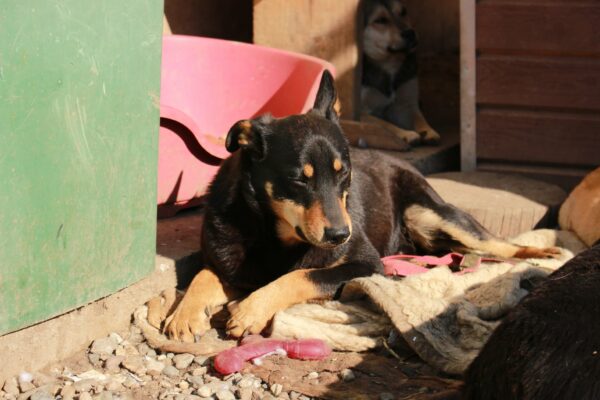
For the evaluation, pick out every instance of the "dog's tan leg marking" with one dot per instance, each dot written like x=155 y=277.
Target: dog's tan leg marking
x=192 y=316
x=423 y=223
x=252 y=314
x=430 y=135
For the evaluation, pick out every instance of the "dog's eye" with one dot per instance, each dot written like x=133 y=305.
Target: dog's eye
x=404 y=12
x=344 y=173
x=382 y=21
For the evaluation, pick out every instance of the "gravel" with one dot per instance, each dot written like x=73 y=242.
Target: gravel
x=105 y=345
x=205 y=391
x=313 y=375
x=124 y=367
x=276 y=389
x=182 y=361
x=347 y=375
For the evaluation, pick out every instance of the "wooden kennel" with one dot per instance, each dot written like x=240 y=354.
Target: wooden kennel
x=530 y=87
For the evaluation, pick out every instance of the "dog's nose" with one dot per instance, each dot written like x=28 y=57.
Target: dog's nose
x=336 y=235
x=410 y=36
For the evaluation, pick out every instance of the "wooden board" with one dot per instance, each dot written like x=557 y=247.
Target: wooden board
x=544 y=28
x=223 y=19
x=537 y=85
x=506 y=205
x=468 y=112
x=323 y=28
x=558 y=82
x=535 y=136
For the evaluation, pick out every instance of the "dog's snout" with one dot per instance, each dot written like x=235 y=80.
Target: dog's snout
x=336 y=235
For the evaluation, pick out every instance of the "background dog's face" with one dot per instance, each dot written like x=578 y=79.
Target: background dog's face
x=388 y=34
x=299 y=168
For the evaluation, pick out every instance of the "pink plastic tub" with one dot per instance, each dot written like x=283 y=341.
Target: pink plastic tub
x=209 y=84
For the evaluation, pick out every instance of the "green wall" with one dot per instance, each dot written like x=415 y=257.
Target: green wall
x=79 y=90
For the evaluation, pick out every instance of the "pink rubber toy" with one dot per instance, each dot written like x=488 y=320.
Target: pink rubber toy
x=232 y=360
x=209 y=84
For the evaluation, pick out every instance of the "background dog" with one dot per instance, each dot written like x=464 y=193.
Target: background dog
x=548 y=347
x=390 y=88
x=284 y=223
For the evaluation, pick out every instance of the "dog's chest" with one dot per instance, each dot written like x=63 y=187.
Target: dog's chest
x=381 y=81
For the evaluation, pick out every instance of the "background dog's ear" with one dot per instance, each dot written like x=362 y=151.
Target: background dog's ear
x=325 y=103
x=248 y=136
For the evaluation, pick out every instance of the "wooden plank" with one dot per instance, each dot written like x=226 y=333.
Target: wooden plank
x=530 y=136
x=563 y=28
x=323 y=28
x=468 y=155
x=539 y=82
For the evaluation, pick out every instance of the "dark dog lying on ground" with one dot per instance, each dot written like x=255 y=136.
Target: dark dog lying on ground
x=284 y=223
x=390 y=87
x=548 y=347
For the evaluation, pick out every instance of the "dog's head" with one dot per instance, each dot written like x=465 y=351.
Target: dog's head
x=299 y=168
x=388 y=34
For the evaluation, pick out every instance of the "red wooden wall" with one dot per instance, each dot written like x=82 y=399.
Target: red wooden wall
x=538 y=87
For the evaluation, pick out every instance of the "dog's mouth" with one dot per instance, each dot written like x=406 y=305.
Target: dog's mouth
x=301 y=234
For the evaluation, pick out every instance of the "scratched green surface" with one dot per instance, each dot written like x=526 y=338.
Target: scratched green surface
x=79 y=87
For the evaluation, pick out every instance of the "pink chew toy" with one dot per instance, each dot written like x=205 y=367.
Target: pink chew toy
x=232 y=360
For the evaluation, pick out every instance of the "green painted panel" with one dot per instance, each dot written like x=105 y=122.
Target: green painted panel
x=79 y=88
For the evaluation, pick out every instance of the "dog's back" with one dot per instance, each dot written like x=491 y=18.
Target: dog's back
x=548 y=347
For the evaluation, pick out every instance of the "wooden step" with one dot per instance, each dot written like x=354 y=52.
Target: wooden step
x=506 y=205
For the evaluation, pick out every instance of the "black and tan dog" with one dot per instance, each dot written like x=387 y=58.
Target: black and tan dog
x=293 y=214
x=390 y=87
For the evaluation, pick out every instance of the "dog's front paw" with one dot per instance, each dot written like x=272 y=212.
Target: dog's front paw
x=189 y=319
x=250 y=316
x=410 y=137
x=430 y=137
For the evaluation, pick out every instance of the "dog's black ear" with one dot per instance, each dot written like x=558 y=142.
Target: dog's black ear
x=326 y=102
x=248 y=136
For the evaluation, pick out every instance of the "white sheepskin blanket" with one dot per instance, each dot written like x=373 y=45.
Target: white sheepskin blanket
x=444 y=317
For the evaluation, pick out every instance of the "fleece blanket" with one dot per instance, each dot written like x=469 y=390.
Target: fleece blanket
x=444 y=317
